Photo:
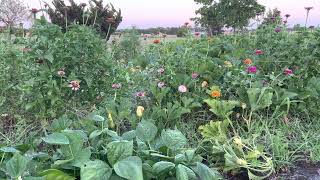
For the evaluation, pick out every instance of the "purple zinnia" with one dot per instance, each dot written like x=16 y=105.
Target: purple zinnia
x=141 y=94
x=278 y=29
x=252 y=69
x=288 y=72
x=194 y=75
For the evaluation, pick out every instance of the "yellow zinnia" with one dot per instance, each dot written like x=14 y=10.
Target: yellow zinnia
x=140 y=110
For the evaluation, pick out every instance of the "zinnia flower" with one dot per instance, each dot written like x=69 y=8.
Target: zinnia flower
x=186 y=23
x=61 y=73
x=197 y=33
x=228 y=64
x=161 y=84
x=215 y=94
x=288 y=72
x=83 y=5
x=161 y=70
x=277 y=29
x=204 y=84
x=141 y=94
x=116 y=86
x=194 y=75
x=75 y=85
x=140 y=110
x=182 y=89
x=34 y=10
x=156 y=41
x=252 y=69
x=247 y=61
x=259 y=52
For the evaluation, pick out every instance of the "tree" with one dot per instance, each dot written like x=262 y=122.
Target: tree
x=209 y=19
x=12 y=12
x=228 y=13
x=272 y=17
x=105 y=19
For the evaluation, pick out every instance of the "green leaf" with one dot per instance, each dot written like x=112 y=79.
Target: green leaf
x=259 y=98
x=34 y=178
x=118 y=150
x=162 y=167
x=173 y=139
x=16 y=165
x=216 y=130
x=185 y=173
x=9 y=150
x=55 y=174
x=221 y=108
x=95 y=170
x=205 y=173
x=129 y=168
x=49 y=57
x=57 y=139
x=97 y=118
x=128 y=136
x=97 y=133
x=146 y=131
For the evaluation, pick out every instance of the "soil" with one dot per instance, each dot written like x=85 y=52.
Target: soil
x=302 y=171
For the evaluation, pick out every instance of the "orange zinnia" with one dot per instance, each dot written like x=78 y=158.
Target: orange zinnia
x=247 y=61
x=215 y=94
x=156 y=41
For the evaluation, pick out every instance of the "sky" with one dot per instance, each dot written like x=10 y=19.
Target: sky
x=168 y=13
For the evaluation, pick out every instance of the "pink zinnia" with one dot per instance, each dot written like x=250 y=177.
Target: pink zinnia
x=182 y=89
x=288 y=72
x=161 y=84
x=116 y=86
x=197 y=33
x=141 y=94
x=75 y=85
x=161 y=70
x=194 y=75
x=259 y=52
x=252 y=69
x=61 y=73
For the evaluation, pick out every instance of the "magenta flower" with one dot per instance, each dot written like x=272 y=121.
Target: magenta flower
x=161 y=84
x=116 y=86
x=194 y=75
x=197 y=33
x=182 y=89
x=259 y=52
x=252 y=69
x=75 y=85
x=288 y=72
x=141 y=94
x=277 y=29
x=161 y=70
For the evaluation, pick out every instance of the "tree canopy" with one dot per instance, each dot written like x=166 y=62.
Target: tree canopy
x=227 y=13
x=12 y=11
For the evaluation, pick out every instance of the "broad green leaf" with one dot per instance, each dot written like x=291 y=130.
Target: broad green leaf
x=162 y=167
x=129 y=168
x=97 y=118
x=55 y=174
x=34 y=178
x=259 y=98
x=56 y=139
x=146 y=131
x=97 y=133
x=173 y=139
x=185 y=173
x=95 y=170
x=205 y=173
x=9 y=150
x=118 y=150
x=221 y=108
x=75 y=150
x=128 y=136
x=215 y=130
x=16 y=165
